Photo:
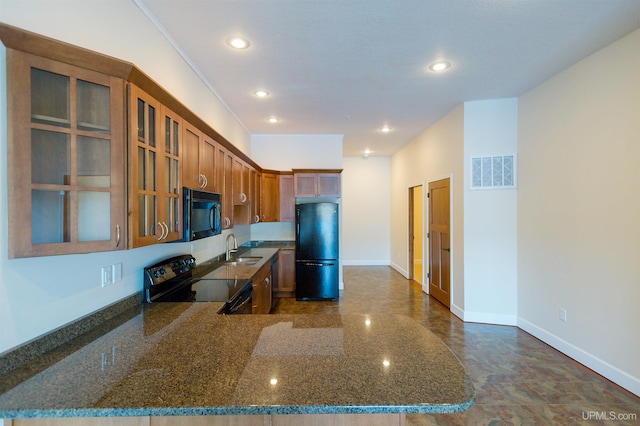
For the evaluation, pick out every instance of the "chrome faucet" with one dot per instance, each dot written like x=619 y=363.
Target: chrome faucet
x=233 y=249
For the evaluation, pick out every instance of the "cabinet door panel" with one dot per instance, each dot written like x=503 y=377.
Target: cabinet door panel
x=305 y=185
x=286 y=272
x=144 y=169
x=190 y=158
x=66 y=165
x=255 y=196
x=287 y=199
x=155 y=166
x=328 y=185
x=207 y=161
x=270 y=197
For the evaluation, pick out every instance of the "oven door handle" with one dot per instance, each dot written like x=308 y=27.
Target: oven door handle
x=244 y=302
x=242 y=299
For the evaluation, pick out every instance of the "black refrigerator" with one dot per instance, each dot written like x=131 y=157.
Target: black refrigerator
x=317 y=261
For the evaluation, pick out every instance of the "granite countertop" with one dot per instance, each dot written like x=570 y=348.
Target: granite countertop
x=284 y=244
x=184 y=359
x=246 y=262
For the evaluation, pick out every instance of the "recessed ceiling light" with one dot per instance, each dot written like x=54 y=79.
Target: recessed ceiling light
x=261 y=93
x=273 y=119
x=238 y=42
x=439 y=66
x=385 y=129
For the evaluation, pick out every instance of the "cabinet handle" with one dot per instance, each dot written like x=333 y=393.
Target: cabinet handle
x=257 y=219
x=163 y=235
x=206 y=181
x=267 y=281
x=166 y=227
x=117 y=235
x=243 y=197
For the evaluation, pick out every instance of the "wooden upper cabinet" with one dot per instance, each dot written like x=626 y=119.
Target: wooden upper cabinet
x=207 y=162
x=66 y=168
x=305 y=185
x=155 y=171
x=329 y=185
x=255 y=194
x=241 y=177
x=287 y=198
x=224 y=183
x=270 y=199
x=191 y=177
x=198 y=157
x=317 y=183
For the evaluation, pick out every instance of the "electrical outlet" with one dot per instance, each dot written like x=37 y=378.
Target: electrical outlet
x=563 y=315
x=116 y=271
x=107 y=275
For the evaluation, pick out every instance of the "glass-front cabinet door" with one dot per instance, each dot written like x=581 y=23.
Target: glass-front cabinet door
x=155 y=171
x=66 y=158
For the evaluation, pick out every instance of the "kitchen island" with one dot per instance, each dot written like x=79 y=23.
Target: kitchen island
x=183 y=359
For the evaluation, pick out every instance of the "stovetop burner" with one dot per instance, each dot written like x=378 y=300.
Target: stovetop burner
x=178 y=279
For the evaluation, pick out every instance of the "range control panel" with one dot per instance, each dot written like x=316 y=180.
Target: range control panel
x=177 y=267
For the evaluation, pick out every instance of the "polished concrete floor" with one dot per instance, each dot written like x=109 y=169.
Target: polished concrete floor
x=519 y=379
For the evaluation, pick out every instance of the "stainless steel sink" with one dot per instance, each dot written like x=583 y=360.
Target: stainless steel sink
x=244 y=260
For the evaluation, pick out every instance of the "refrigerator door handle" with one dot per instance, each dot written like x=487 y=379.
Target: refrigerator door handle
x=318 y=264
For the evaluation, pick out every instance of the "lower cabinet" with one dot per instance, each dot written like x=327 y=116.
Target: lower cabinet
x=262 y=290
x=285 y=285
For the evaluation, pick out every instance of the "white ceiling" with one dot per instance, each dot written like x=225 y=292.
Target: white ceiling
x=351 y=66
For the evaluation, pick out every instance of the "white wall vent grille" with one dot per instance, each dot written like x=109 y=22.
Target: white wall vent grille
x=493 y=172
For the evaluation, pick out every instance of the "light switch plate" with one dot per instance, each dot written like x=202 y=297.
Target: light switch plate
x=107 y=276
x=116 y=272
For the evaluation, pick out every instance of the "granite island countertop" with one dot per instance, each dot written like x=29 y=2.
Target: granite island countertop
x=184 y=359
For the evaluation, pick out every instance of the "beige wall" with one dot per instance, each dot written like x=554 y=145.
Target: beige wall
x=436 y=153
x=366 y=214
x=579 y=211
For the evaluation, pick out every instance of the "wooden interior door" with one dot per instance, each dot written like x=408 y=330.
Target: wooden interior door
x=439 y=242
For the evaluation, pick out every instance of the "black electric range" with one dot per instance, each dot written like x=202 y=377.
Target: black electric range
x=178 y=279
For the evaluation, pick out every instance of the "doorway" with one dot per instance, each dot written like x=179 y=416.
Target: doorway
x=439 y=241
x=416 y=234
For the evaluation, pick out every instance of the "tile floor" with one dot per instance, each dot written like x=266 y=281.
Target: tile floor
x=519 y=379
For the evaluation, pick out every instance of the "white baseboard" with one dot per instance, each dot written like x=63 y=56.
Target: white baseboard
x=489 y=318
x=632 y=384
x=457 y=311
x=365 y=262
x=401 y=270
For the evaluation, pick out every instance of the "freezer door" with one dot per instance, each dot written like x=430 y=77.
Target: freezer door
x=317 y=231
x=317 y=280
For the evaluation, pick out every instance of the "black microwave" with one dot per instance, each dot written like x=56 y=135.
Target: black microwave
x=202 y=214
